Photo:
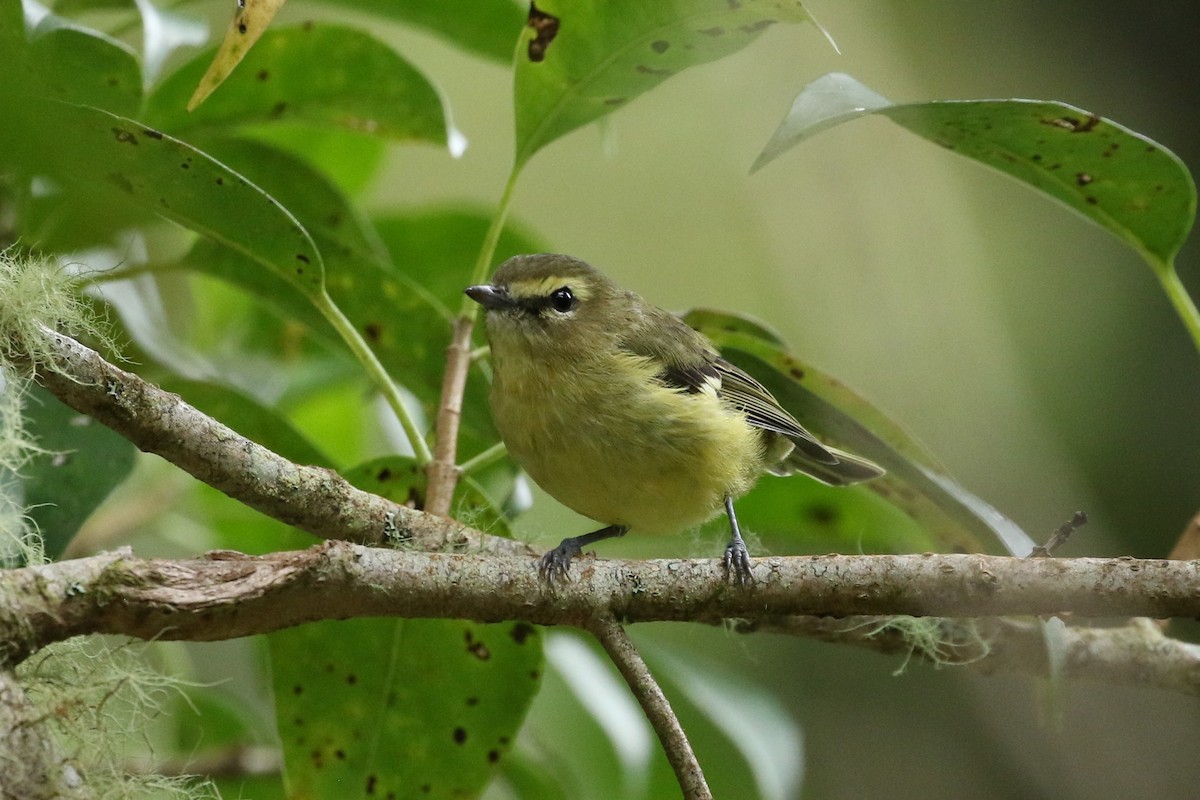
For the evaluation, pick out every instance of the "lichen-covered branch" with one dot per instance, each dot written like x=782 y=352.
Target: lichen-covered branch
x=227 y=594
x=314 y=499
x=1135 y=654
x=32 y=767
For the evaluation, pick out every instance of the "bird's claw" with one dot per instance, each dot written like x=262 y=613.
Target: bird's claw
x=737 y=562
x=556 y=563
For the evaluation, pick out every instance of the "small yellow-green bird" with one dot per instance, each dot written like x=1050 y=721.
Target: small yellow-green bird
x=623 y=413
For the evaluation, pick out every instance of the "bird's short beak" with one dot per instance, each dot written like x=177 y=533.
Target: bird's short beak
x=490 y=297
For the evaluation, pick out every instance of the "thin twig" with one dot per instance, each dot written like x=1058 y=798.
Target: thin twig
x=443 y=470
x=1135 y=654
x=645 y=688
x=1060 y=536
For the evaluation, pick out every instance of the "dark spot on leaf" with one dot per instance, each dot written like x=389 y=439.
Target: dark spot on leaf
x=520 y=632
x=1073 y=124
x=645 y=70
x=371 y=781
x=493 y=756
x=504 y=740
x=479 y=650
x=351 y=679
x=614 y=101
x=297 y=689
x=302 y=258
x=534 y=674
x=153 y=134
x=220 y=181
x=124 y=136
x=121 y=182
x=1091 y=200
x=185 y=165
x=373 y=330
x=298 y=722
x=1036 y=156
x=426 y=788
x=113 y=82
x=278 y=109
x=1055 y=166
x=755 y=27
x=340 y=754
x=472 y=701
x=383 y=475
x=545 y=28
x=1082 y=178
x=796 y=373
x=329 y=667
x=660 y=45
x=317 y=759
x=241 y=27
x=307 y=25
x=460 y=735
x=715 y=30
x=264 y=75
x=822 y=513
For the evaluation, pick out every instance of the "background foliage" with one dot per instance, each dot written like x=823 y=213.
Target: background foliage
x=1031 y=353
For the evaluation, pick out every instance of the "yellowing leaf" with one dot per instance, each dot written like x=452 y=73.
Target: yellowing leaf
x=249 y=23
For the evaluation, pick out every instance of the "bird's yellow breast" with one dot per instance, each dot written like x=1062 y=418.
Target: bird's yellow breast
x=612 y=443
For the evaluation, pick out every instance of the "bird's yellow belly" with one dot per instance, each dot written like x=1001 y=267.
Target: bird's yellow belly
x=637 y=455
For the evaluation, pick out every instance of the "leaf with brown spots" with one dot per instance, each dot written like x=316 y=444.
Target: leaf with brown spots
x=323 y=75
x=250 y=21
x=1127 y=184
x=140 y=166
x=390 y=705
x=583 y=60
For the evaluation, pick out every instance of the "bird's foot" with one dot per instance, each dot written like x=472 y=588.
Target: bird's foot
x=737 y=562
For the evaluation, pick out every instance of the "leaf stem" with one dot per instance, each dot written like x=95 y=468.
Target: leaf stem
x=482 y=460
x=1179 y=297
x=379 y=376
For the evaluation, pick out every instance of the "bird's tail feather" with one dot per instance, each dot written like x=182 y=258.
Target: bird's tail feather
x=849 y=469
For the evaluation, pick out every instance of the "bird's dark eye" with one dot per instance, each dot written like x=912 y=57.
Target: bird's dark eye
x=562 y=300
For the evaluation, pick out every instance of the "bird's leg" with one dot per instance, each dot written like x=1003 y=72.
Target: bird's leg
x=556 y=562
x=737 y=557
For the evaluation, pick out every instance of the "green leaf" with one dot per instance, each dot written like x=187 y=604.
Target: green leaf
x=144 y=167
x=1128 y=184
x=582 y=60
x=956 y=520
x=488 y=28
x=406 y=328
x=83 y=462
x=317 y=74
x=78 y=65
x=400 y=708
